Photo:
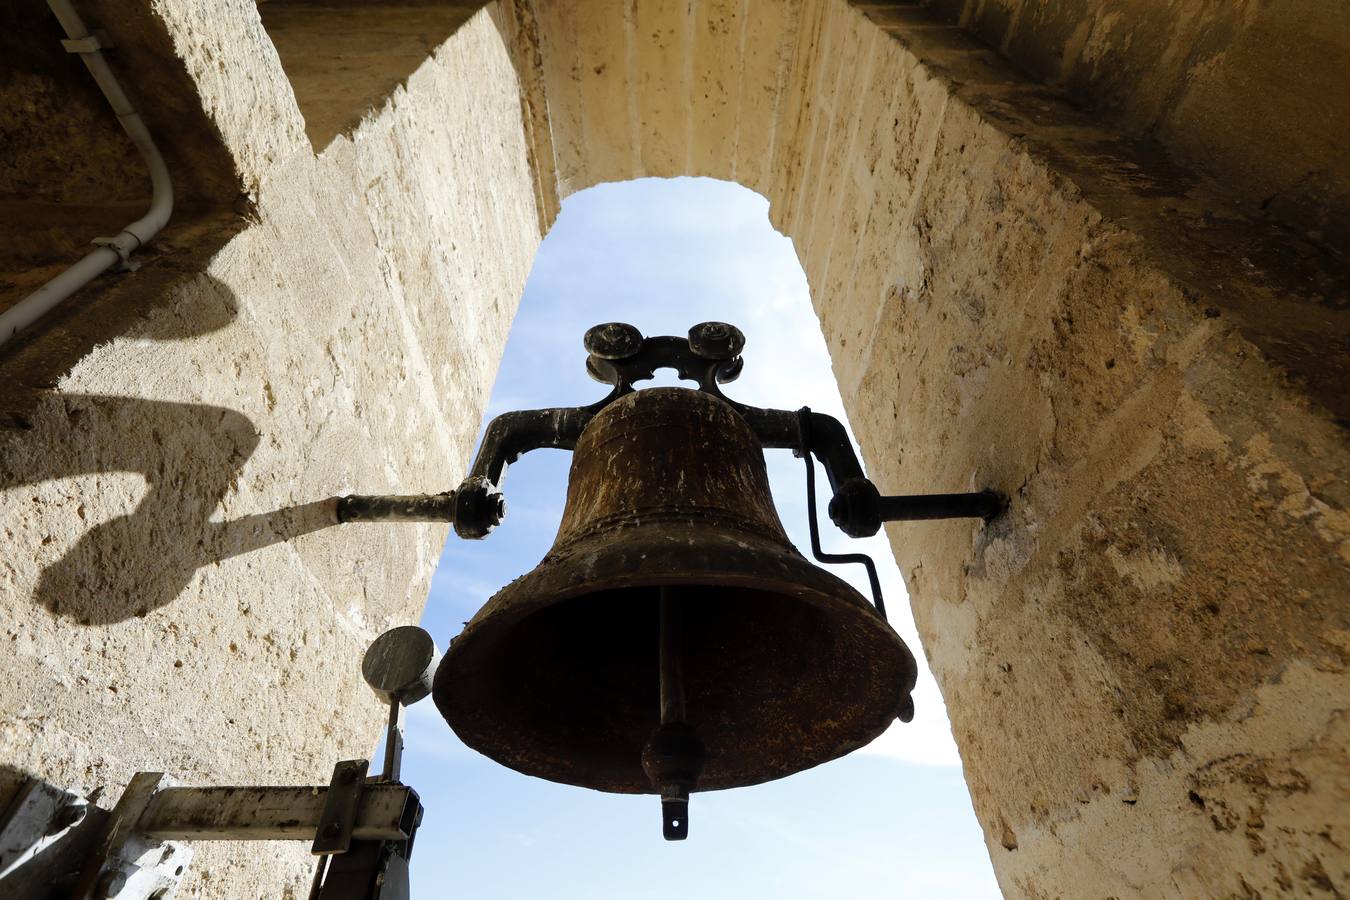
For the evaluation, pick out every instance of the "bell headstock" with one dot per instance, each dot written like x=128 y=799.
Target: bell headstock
x=618 y=355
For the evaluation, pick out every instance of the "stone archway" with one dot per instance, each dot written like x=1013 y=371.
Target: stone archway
x=1144 y=662
x=1015 y=296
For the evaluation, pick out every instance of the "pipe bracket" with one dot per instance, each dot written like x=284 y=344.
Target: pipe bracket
x=90 y=43
x=127 y=264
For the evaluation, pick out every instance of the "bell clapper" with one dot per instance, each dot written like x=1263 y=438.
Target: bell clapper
x=674 y=757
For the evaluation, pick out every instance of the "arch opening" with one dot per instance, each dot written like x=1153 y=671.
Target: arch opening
x=664 y=254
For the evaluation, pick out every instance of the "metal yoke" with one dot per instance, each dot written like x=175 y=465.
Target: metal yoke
x=618 y=355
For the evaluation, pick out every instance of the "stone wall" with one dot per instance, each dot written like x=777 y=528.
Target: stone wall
x=1252 y=93
x=169 y=595
x=1144 y=661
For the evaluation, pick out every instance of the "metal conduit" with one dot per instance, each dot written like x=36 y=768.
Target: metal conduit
x=114 y=250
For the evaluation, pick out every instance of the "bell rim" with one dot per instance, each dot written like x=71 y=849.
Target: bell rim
x=668 y=486
x=830 y=594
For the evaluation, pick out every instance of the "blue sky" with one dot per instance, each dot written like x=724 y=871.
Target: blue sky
x=894 y=819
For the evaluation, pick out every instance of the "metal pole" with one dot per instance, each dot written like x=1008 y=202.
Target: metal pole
x=397 y=508
x=979 y=505
x=393 y=743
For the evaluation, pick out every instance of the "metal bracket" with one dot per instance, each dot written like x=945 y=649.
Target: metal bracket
x=56 y=843
x=90 y=43
x=334 y=834
x=127 y=264
x=44 y=836
x=124 y=863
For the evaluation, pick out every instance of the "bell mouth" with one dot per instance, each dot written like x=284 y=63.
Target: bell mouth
x=785 y=666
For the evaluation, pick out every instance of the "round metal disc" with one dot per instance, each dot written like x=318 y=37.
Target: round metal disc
x=613 y=340
x=400 y=664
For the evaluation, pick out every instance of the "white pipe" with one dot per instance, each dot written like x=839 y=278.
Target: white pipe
x=116 y=249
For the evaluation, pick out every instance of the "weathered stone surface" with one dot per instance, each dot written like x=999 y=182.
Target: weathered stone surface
x=1252 y=93
x=1017 y=296
x=167 y=600
x=1144 y=661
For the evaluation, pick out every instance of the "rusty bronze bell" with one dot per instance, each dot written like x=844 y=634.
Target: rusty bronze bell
x=672 y=639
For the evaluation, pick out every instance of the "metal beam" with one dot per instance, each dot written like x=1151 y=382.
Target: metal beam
x=281 y=813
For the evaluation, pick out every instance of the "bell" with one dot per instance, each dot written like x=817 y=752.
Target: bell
x=672 y=639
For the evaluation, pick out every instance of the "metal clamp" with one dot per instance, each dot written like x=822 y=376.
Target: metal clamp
x=90 y=43
x=334 y=833
x=127 y=264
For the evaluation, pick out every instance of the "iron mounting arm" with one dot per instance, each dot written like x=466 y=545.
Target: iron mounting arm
x=856 y=506
x=621 y=357
x=477 y=505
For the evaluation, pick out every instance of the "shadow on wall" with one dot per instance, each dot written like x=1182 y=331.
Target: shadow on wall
x=345 y=57
x=190 y=456
x=11 y=779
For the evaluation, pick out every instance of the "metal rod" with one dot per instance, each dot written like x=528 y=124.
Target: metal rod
x=393 y=743
x=979 y=505
x=821 y=556
x=672 y=666
x=397 y=508
x=130 y=808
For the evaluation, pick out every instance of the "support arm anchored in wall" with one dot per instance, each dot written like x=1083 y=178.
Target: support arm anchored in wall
x=116 y=250
x=620 y=356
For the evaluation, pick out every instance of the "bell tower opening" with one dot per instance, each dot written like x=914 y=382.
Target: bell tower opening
x=665 y=254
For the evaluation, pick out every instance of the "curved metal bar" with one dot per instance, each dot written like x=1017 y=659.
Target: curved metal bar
x=803 y=430
x=821 y=556
x=511 y=435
